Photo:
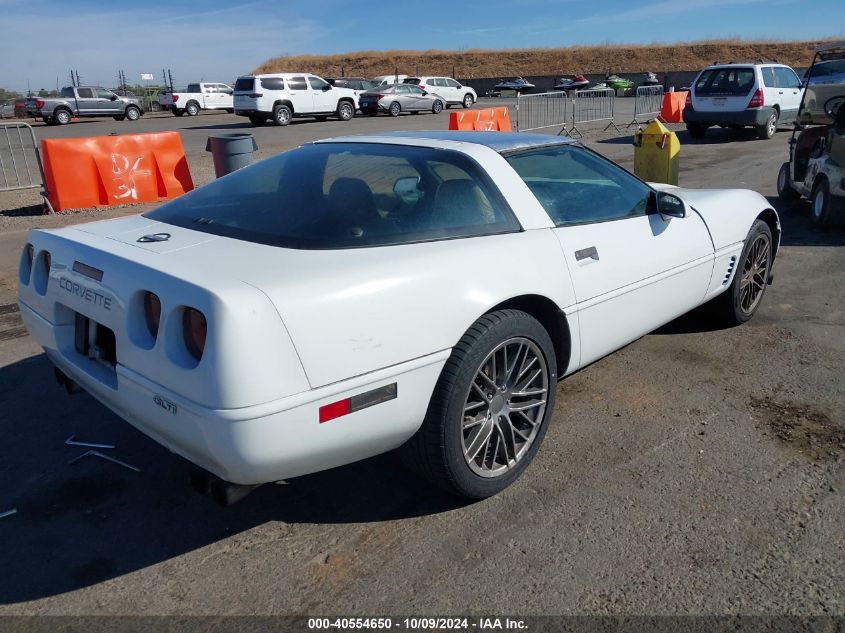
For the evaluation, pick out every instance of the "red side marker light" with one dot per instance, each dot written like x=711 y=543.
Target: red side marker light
x=357 y=402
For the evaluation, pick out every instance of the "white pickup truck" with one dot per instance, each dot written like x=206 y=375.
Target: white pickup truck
x=200 y=96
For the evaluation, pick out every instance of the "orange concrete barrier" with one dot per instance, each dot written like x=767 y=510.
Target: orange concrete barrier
x=488 y=119
x=99 y=171
x=673 y=107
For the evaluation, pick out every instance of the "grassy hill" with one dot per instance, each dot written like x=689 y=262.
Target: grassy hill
x=619 y=58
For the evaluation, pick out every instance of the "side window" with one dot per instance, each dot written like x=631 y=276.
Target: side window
x=440 y=82
x=317 y=83
x=786 y=78
x=67 y=92
x=452 y=83
x=102 y=93
x=297 y=83
x=403 y=90
x=768 y=76
x=415 y=90
x=85 y=93
x=576 y=186
x=273 y=83
x=224 y=89
x=211 y=89
x=193 y=88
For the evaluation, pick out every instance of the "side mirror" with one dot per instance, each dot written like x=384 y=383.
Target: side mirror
x=327 y=87
x=424 y=92
x=670 y=206
x=114 y=97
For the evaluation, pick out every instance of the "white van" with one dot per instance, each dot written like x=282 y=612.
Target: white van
x=279 y=97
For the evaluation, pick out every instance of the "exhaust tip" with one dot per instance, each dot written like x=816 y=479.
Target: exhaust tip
x=226 y=493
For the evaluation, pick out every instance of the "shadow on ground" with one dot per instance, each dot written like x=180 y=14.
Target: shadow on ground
x=80 y=524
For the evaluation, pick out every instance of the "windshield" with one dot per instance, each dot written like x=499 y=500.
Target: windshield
x=728 y=82
x=347 y=195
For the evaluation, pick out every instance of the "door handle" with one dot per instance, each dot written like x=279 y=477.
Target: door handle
x=587 y=253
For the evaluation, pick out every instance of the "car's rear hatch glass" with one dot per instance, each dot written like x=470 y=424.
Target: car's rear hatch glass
x=732 y=81
x=245 y=84
x=347 y=195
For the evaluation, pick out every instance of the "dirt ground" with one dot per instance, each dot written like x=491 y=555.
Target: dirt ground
x=697 y=471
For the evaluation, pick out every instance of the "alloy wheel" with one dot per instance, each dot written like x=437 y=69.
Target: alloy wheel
x=755 y=272
x=504 y=407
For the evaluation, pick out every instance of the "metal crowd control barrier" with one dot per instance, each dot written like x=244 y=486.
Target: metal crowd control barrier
x=540 y=111
x=593 y=105
x=20 y=160
x=649 y=101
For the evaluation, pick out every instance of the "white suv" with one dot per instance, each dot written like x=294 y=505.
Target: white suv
x=279 y=97
x=452 y=91
x=741 y=95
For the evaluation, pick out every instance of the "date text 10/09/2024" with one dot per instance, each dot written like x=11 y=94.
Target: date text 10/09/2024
x=418 y=624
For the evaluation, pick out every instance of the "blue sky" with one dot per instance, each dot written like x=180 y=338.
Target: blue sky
x=41 y=40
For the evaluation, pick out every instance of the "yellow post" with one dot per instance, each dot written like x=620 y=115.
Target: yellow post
x=657 y=154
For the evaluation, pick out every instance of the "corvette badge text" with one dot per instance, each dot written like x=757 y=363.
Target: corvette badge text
x=87 y=294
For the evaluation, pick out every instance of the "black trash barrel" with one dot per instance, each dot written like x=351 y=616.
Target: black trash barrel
x=230 y=152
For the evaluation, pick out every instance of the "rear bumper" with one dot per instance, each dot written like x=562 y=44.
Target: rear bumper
x=261 y=443
x=757 y=116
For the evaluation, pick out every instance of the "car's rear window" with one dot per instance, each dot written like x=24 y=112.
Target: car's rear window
x=194 y=88
x=411 y=80
x=347 y=195
x=732 y=81
x=245 y=83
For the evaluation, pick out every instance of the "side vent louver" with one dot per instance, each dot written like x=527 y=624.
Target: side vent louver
x=731 y=265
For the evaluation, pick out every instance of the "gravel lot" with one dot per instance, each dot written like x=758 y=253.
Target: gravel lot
x=696 y=471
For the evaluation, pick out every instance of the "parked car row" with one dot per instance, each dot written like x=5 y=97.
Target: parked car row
x=280 y=97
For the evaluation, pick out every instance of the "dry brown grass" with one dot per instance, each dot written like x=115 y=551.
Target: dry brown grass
x=618 y=58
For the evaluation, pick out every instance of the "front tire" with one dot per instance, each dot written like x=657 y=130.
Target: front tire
x=468 y=100
x=825 y=207
x=785 y=190
x=490 y=408
x=133 y=113
x=282 y=115
x=768 y=129
x=743 y=297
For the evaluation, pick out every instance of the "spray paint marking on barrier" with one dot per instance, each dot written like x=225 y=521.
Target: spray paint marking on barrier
x=125 y=175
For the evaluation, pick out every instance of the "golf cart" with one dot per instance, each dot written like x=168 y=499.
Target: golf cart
x=816 y=166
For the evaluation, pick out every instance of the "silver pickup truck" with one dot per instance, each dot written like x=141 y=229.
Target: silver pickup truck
x=83 y=101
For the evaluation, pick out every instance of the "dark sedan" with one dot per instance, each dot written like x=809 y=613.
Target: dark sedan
x=398 y=98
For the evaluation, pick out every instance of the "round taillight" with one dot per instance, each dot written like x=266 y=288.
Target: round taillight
x=194 y=329
x=152 y=312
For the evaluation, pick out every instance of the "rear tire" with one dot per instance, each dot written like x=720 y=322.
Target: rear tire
x=768 y=129
x=61 y=117
x=740 y=301
x=696 y=130
x=230 y=110
x=395 y=109
x=345 y=111
x=282 y=115
x=177 y=112
x=785 y=190
x=192 y=109
x=437 y=107
x=507 y=437
x=119 y=117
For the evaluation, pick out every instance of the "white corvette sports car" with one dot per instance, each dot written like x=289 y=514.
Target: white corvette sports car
x=420 y=290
